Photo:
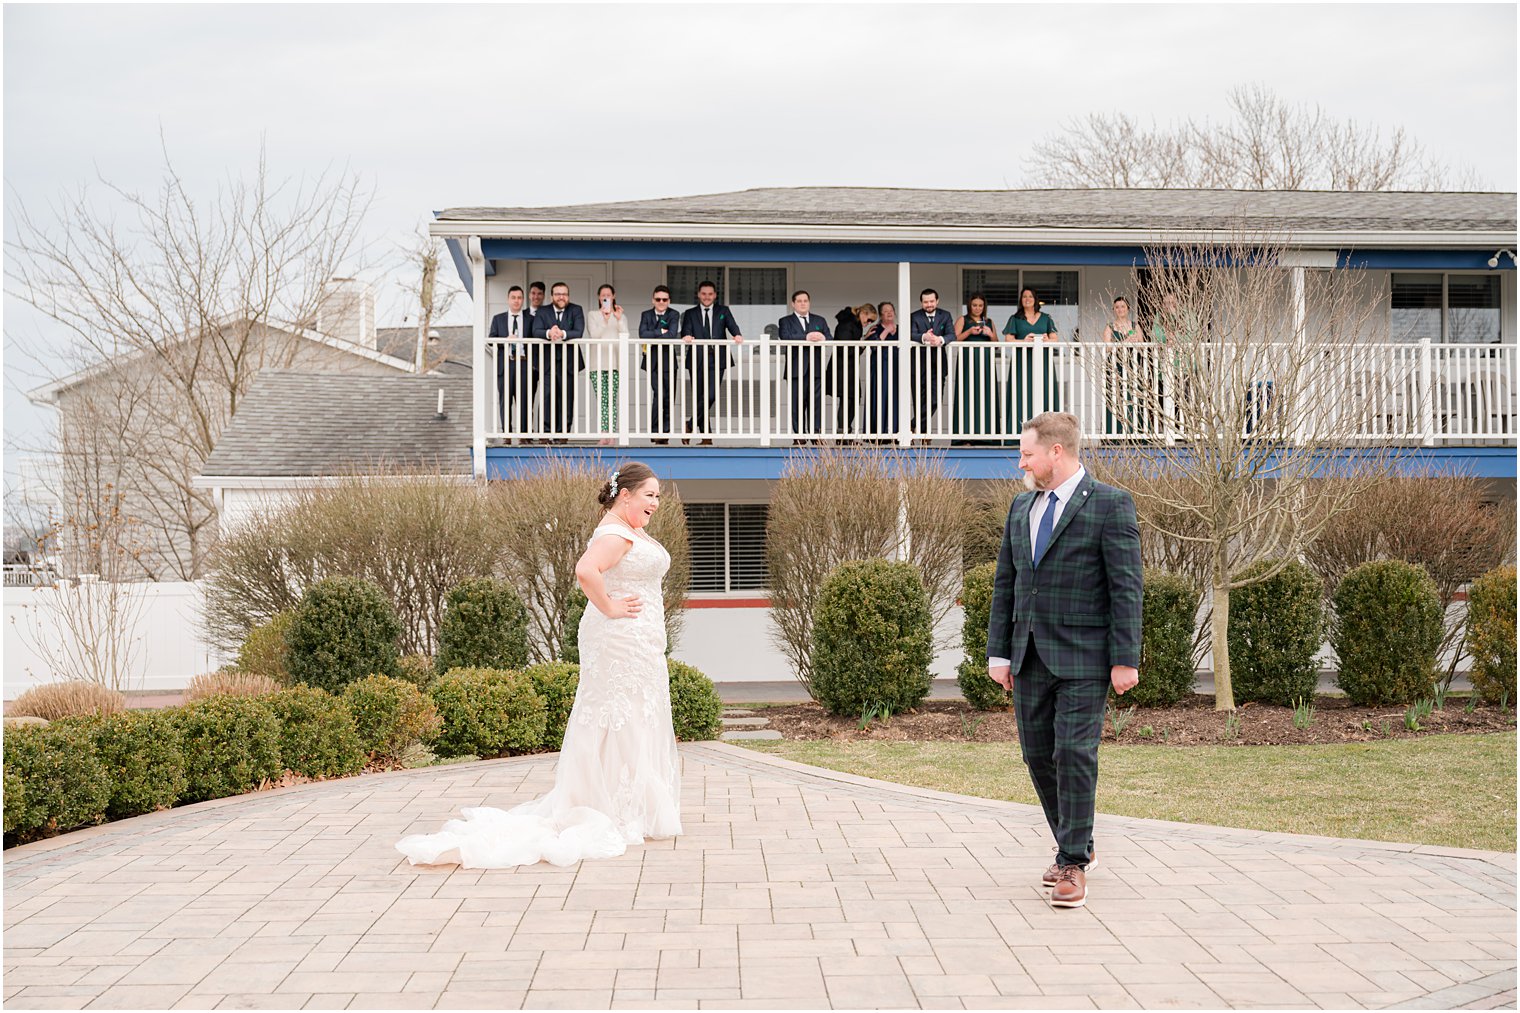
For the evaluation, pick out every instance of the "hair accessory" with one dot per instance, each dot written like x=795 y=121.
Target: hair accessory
x=612 y=483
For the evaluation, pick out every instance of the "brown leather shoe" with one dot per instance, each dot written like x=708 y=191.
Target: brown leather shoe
x=1048 y=881
x=1071 y=887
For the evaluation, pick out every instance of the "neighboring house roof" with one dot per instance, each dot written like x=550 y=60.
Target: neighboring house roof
x=451 y=354
x=1134 y=209
x=48 y=393
x=327 y=424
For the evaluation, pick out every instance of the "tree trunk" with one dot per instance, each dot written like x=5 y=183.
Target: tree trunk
x=1224 y=693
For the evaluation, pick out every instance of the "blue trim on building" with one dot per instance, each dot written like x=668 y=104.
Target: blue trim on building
x=844 y=253
x=767 y=463
x=462 y=264
x=1422 y=260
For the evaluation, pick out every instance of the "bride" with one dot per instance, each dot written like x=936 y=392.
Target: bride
x=618 y=777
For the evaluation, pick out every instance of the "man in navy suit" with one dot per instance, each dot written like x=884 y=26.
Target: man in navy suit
x=660 y=323
x=804 y=363
x=516 y=372
x=710 y=321
x=560 y=322
x=932 y=327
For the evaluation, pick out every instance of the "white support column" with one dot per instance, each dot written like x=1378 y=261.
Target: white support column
x=904 y=353
x=481 y=318
x=1300 y=308
x=625 y=370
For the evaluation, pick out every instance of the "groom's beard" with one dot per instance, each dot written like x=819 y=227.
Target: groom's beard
x=1030 y=485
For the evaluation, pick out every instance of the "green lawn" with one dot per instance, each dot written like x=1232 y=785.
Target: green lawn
x=1454 y=790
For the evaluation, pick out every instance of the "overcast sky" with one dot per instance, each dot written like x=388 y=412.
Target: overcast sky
x=433 y=105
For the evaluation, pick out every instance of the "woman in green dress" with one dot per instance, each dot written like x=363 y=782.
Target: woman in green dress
x=1124 y=368
x=975 y=386
x=1029 y=324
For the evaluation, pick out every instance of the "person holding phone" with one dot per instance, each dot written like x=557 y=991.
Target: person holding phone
x=606 y=325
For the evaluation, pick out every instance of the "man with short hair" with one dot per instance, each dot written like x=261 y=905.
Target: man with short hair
x=709 y=321
x=1065 y=616
x=931 y=327
x=659 y=323
x=562 y=321
x=535 y=297
x=804 y=364
x=516 y=374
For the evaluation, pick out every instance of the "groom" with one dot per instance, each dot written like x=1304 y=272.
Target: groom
x=1065 y=625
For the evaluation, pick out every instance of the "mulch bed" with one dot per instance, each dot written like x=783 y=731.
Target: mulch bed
x=1191 y=723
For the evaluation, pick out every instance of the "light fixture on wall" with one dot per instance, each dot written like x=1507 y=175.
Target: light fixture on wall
x=1494 y=260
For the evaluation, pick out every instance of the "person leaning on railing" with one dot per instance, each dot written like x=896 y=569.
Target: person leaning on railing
x=516 y=374
x=842 y=378
x=709 y=321
x=1029 y=324
x=605 y=325
x=1123 y=369
x=931 y=327
x=804 y=331
x=659 y=323
x=559 y=322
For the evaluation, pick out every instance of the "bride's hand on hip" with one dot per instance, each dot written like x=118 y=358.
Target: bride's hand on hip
x=624 y=608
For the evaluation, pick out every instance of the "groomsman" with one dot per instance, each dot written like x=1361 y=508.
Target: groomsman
x=561 y=321
x=709 y=320
x=516 y=374
x=930 y=326
x=804 y=363
x=660 y=323
x=535 y=297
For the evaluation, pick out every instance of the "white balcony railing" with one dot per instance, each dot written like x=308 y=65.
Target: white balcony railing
x=766 y=392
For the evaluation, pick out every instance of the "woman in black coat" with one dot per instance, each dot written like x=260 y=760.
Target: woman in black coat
x=842 y=380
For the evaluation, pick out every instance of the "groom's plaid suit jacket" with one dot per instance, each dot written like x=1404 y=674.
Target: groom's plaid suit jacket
x=1083 y=602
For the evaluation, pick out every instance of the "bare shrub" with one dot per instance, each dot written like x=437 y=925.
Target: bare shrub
x=414 y=537
x=229 y=684
x=843 y=503
x=542 y=517
x=1438 y=519
x=986 y=517
x=71 y=698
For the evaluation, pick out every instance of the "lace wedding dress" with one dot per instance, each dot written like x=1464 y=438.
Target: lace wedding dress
x=618 y=778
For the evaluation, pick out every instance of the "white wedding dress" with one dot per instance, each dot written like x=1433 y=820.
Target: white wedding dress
x=618 y=779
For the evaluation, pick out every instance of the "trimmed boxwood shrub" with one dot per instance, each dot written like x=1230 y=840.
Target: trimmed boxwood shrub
x=1169 y=617
x=488 y=712
x=484 y=625
x=231 y=745
x=1276 y=628
x=63 y=782
x=1387 y=633
x=872 y=638
x=570 y=636
x=417 y=669
x=391 y=716
x=317 y=733
x=144 y=758
x=976 y=603
x=264 y=649
x=342 y=631
x=556 y=682
x=696 y=710
x=1491 y=634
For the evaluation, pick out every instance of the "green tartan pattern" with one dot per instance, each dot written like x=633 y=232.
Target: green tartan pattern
x=1060 y=722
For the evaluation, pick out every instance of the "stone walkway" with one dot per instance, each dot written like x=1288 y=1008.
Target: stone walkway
x=792 y=888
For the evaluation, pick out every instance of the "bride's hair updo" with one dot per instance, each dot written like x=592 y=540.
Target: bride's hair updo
x=629 y=475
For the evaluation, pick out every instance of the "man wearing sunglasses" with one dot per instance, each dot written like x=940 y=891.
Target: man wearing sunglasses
x=659 y=323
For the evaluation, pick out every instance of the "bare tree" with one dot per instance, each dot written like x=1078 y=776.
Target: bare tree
x=840 y=504
x=1235 y=424
x=1267 y=143
x=170 y=317
x=431 y=293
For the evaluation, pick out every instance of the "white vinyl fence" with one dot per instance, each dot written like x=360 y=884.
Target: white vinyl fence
x=167 y=647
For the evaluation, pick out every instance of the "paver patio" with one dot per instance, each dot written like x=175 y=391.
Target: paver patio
x=792 y=887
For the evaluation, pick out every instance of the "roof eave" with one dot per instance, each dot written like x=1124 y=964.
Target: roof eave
x=1335 y=239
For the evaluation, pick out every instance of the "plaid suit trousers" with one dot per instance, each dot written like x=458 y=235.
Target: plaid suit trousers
x=1060 y=722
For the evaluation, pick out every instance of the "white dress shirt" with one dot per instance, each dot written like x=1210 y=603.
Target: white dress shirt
x=524 y=325
x=1064 y=492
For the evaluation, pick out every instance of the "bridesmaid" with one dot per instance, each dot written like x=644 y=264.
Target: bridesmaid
x=881 y=375
x=975 y=386
x=1029 y=324
x=1119 y=363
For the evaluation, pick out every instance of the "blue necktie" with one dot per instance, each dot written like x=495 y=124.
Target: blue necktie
x=1042 y=534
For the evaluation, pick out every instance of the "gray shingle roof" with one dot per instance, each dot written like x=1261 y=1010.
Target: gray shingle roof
x=305 y=424
x=1137 y=209
x=453 y=345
